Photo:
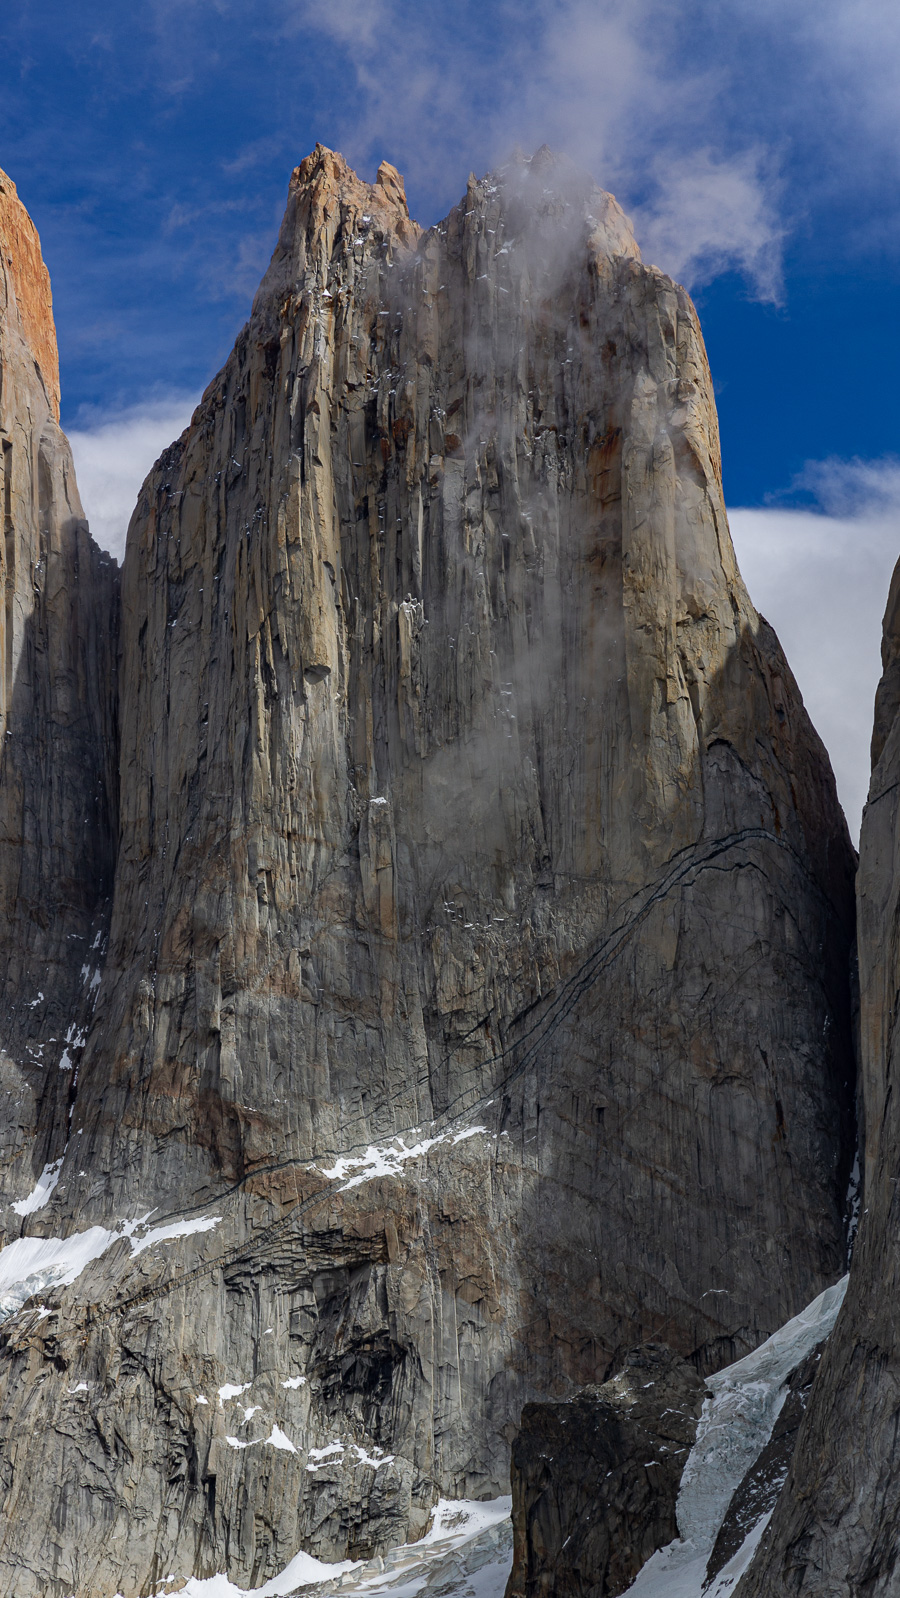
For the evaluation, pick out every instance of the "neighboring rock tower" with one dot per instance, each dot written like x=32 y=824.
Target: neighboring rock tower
x=836 y=1528
x=478 y=965
x=58 y=779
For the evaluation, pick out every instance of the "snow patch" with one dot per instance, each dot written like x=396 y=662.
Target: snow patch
x=375 y=1460
x=458 y=1520
x=41 y=1191
x=277 y=1439
x=229 y=1390
x=320 y=1455
x=165 y=1234
x=33 y=1264
x=390 y=1159
x=295 y=1381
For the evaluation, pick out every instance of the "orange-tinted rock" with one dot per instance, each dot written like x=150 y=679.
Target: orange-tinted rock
x=26 y=287
x=58 y=780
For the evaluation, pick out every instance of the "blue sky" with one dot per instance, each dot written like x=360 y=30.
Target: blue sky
x=755 y=143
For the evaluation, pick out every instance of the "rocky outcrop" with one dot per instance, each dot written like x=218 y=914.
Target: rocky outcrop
x=836 y=1530
x=476 y=999
x=58 y=779
x=595 y=1480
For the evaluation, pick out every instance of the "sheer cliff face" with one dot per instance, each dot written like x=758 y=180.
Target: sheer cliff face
x=464 y=799
x=836 y=1530
x=57 y=699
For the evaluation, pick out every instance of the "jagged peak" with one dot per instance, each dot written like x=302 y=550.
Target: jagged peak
x=328 y=202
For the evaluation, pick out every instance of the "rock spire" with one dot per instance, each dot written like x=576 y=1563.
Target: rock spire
x=476 y=1001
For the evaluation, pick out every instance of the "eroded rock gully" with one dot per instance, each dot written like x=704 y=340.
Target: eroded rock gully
x=469 y=826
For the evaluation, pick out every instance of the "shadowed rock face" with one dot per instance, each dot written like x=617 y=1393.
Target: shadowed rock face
x=836 y=1530
x=58 y=781
x=595 y=1480
x=461 y=787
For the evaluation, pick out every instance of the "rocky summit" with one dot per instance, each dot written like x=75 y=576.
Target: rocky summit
x=429 y=919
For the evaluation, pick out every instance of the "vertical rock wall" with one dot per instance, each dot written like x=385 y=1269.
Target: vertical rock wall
x=58 y=779
x=472 y=830
x=836 y=1529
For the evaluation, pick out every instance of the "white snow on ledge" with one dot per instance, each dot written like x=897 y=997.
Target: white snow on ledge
x=390 y=1160
x=41 y=1191
x=303 y=1571
x=33 y=1264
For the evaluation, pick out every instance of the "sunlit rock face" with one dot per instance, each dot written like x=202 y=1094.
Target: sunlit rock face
x=470 y=828
x=836 y=1530
x=58 y=620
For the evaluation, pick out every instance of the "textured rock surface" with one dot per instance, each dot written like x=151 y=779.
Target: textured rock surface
x=460 y=786
x=58 y=621
x=595 y=1480
x=836 y=1530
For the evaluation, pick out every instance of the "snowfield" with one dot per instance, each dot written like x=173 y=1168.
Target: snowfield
x=472 y=1541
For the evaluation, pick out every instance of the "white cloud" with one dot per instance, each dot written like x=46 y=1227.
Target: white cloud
x=114 y=451
x=821 y=578
x=708 y=216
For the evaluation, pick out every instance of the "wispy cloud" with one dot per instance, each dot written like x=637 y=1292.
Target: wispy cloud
x=114 y=450
x=709 y=216
x=603 y=82
x=821 y=578
x=855 y=487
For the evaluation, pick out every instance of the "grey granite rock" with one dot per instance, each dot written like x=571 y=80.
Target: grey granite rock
x=460 y=786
